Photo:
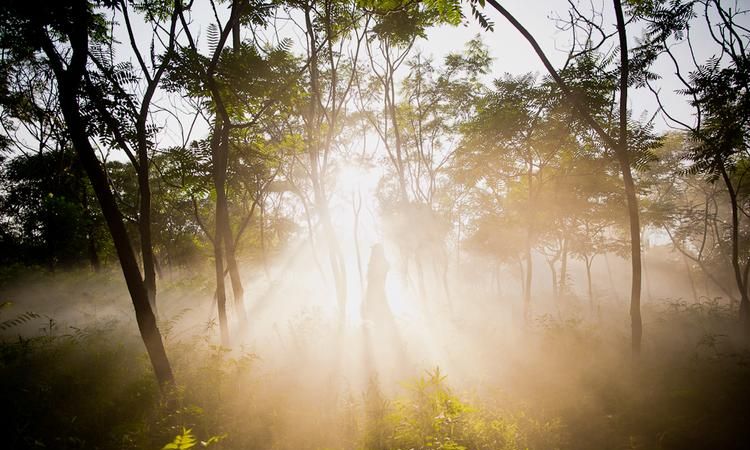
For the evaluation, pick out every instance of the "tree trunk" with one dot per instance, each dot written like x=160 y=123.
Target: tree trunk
x=144 y=187
x=262 y=229
x=621 y=150
x=337 y=264
x=313 y=147
x=529 y=263
x=136 y=286
x=221 y=295
x=93 y=252
x=219 y=163
x=590 y=289
x=527 y=284
x=740 y=280
x=234 y=274
x=522 y=282
x=356 y=208
x=144 y=228
x=444 y=260
x=562 y=291
x=69 y=83
x=690 y=278
x=636 y=325
x=553 y=272
x=391 y=93
x=619 y=146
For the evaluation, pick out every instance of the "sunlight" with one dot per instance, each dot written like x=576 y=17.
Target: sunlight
x=354 y=194
x=354 y=213
x=354 y=202
x=401 y=299
x=374 y=225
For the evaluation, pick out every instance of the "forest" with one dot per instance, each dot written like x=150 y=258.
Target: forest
x=375 y=224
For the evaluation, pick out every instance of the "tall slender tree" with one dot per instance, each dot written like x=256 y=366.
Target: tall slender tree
x=60 y=36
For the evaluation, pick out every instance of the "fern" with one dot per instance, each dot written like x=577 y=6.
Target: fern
x=152 y=53
x=480 y=17
x=19 y=320
x=285 y=45
x=213 y=37
x=167 y=326
x=182 y=441
x=187 y=440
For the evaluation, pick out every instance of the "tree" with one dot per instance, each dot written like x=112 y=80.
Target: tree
x=47 y=212
x=236 y=87
x=519 y=127
x=616 y=140
x=39 y=33
x=717 y=89
x=122 y=113
x=693 y=212
x=332 y=45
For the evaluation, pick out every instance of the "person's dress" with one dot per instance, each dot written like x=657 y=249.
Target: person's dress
x=375 y=307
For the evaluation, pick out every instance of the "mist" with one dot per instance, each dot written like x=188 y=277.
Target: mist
x=372 y=225
x=298 y=377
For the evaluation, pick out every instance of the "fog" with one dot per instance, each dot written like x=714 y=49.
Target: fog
x=374 y=225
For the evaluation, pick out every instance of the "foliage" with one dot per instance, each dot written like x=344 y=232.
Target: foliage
x=562 y=391
x=48 y=211
x=431 y=416
x=187 y=440
x=251 y=128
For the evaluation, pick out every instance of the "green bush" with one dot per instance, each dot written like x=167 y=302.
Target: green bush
x=431 y=417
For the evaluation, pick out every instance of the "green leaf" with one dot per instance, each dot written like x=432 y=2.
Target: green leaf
x=182 y=441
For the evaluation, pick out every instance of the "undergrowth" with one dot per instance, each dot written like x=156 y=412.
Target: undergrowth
x=575 y=386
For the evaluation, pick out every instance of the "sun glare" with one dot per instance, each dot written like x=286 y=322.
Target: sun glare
x=357 y=224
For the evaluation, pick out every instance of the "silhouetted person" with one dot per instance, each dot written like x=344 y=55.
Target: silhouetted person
x=375 y=306
x=384 y=357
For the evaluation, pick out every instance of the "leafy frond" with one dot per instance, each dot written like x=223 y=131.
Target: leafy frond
x=19 y=320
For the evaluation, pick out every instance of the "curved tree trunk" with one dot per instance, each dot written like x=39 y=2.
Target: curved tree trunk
x=619 y=146
x=621 y=150
x=69 y=82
